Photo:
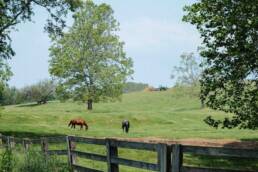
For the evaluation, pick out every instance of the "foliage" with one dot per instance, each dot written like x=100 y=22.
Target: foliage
x=35 y=161
x=11 y=95
x=230 y=80
x=89 y=61
x=13 y=12
x=40 y=92
x=134 y=87
x=188 y=72
x=163 y=88
x=7 y=161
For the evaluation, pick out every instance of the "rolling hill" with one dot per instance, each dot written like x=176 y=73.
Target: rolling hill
x=172 y=114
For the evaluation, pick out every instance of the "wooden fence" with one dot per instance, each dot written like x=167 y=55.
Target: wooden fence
x=169 y=157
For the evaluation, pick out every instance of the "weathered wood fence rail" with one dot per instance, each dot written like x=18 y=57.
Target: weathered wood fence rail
x=169 y=157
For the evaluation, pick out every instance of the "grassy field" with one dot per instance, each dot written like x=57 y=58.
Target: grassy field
x=173 y=114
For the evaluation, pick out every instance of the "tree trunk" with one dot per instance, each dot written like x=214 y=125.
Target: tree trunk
x=89 y=103
x=202 y=105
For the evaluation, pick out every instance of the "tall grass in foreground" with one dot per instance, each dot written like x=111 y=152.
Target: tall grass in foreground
x=7 y=161
x=31 y=161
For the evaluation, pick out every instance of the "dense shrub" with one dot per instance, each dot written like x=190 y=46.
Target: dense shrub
x=11 y=95
x=35 y=161
x=163 y=88
x=31 y=161
x=40 y=92
x=7 y=161
x=134 y=87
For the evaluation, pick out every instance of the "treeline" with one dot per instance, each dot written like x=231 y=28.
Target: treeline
x=134 y=87
x=44 y=91
x=40 y=92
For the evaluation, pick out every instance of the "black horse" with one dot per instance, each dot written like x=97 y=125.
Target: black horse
x=125 y=125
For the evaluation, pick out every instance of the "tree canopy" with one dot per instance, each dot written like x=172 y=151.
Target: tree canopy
x=13 y=12
x=230 y=48
x=188 y=72
x=89 y=61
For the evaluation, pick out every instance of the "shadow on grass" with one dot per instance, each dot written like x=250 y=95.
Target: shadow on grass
x=226 y=162
x=255 y=139
x=243 y=144
x=20 y=134
x=218 y=162
x=187 y=109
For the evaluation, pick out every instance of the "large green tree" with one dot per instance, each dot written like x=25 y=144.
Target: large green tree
x=229 y=29
x=89 y=61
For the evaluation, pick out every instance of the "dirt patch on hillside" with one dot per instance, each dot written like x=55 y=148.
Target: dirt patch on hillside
x=228 y=143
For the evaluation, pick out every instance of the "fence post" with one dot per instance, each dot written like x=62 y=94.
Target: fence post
x=177 y=158
x=70 y=147
x=162 y=157
x=8 y=142
x=111 y=152
x=169 y=158
x=26 y=144
x=12 y=142
x=44 y=146
x=1 y=139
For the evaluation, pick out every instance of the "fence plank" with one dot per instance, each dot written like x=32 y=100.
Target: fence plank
x=88 y=140
x=198 y=169
x=136 y=164
x=134 y=145
x=177 y=157
x=84 y=169
x=57 y=152
x=90 y=156
x=112 y=152
x=58 y=139
x=215 y=151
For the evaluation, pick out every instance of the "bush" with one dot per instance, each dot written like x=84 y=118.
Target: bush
x=163 y=88
x=41 y=92
x=7 y=161
x=32 y=161
x=35 y=161
x=134 y=87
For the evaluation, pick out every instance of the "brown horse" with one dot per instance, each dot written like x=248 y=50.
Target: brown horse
x=78 y=121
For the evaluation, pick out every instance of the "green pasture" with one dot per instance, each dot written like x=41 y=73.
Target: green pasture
x=172 y=114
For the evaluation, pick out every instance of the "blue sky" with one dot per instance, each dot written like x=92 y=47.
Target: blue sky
x=152 y=30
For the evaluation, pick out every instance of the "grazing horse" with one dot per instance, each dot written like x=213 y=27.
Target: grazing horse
x=125 y=125
x=78 y=121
